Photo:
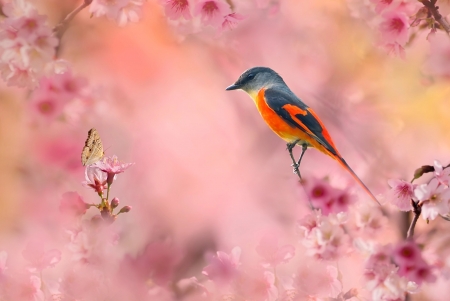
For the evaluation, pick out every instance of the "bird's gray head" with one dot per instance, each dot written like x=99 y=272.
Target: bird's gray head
x=256 y=78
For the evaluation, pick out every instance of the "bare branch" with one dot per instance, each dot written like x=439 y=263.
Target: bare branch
x=62 y=26
x=417 y=210
x=434 y=10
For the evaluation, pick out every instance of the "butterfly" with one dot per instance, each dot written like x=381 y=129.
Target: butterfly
x=93 y=148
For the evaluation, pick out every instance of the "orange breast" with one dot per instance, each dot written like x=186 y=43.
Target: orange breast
x=276 y=123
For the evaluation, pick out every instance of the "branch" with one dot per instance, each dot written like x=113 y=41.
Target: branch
x=62 y=26
x=434 y=10
x=417 y=209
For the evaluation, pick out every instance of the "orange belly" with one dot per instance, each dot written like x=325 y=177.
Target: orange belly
x=277 y=124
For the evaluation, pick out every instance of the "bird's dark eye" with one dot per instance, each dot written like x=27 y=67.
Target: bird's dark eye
x=251 y=76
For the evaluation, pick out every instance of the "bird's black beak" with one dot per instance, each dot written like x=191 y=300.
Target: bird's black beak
x=232 y=87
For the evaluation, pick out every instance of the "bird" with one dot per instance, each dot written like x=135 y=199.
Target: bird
x=289 y=117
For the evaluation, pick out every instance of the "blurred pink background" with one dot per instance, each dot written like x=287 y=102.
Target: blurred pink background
x=209 y=174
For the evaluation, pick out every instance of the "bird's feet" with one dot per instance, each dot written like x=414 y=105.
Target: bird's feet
x=296 y=169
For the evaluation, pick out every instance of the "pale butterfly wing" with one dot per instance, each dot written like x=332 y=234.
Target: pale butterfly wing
x=93 y=148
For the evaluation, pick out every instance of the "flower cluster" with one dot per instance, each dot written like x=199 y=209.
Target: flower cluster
x=121 y=11
x=392 y=271
x=324 y=236
x=215 y=13
x=327 y=198
x=433 y=197
x=55 y=93
x=100 y=176
x=393 y=20
x=27 y=44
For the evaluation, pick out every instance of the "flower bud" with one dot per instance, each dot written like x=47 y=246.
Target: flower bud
x=114 y=203
x=421 y=170
x=125 y=209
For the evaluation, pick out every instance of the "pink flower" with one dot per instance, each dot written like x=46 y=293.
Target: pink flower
x=95 y=178
x=435 y=199
x=394 y=28
x=122 y=11
x=381 y=4
x=370 y=219
x=223 y=267
x=112 y=166
x=327 y=198
x=27 y=45
x=158 y=261
x=176 y=9
x=408 y=257
x=40 y=259
x=230 y=21
x=65 y=85
x=401 y=194
x=212 y=12
x=46 y=105
x=272 y=254
x=327 y=240
x=407 y=253
x=441 y=174
x=72 y=204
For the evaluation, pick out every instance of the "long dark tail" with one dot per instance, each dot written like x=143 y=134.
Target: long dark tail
x=348 y=168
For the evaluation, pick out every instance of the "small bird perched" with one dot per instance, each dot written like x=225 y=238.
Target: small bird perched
x=289 y=117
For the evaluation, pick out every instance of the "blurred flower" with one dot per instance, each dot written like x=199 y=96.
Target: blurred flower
x=95 y=178
x=382 y=4
x=401 y=194
x=257 y=285
x=112 y=166
x=382 y=278
x=394 y=27
x=176 y=9
x=46 y=105
x=370 y=219
x=406 y=253
x=223 y=267
x=408 y=257
x=272 y=254
x=327 y=240
x=27 y=44
x=230 y=21
x=327 y=198
x=157 y=262
x=441 y=174
x=72 y=204
x=38 y=258
x=65 y=85
x=122 y=11
x=435 y=198
x=212 y=12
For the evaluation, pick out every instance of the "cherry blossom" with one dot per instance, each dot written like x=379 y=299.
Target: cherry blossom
x=381 y=5
x=435 y=198
x=176 y=9
x=441 y=174
x=112 y=166
x=230 y=21
x=122 y=11
x=212 y=12
x=394 y=27
x=95 y=178
x=401 y=194
x=223 y=267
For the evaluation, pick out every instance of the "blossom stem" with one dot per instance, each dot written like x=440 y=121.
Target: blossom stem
x=61 y=27
x=434 y=10
x=417 y=209
x=107 y=191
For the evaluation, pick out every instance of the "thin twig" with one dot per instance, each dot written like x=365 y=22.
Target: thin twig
x=417 y=210
x=431 y=5
x=62 y=26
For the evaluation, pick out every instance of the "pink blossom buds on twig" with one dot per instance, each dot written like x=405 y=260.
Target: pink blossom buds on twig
x=124 y=209
x=114 y=203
